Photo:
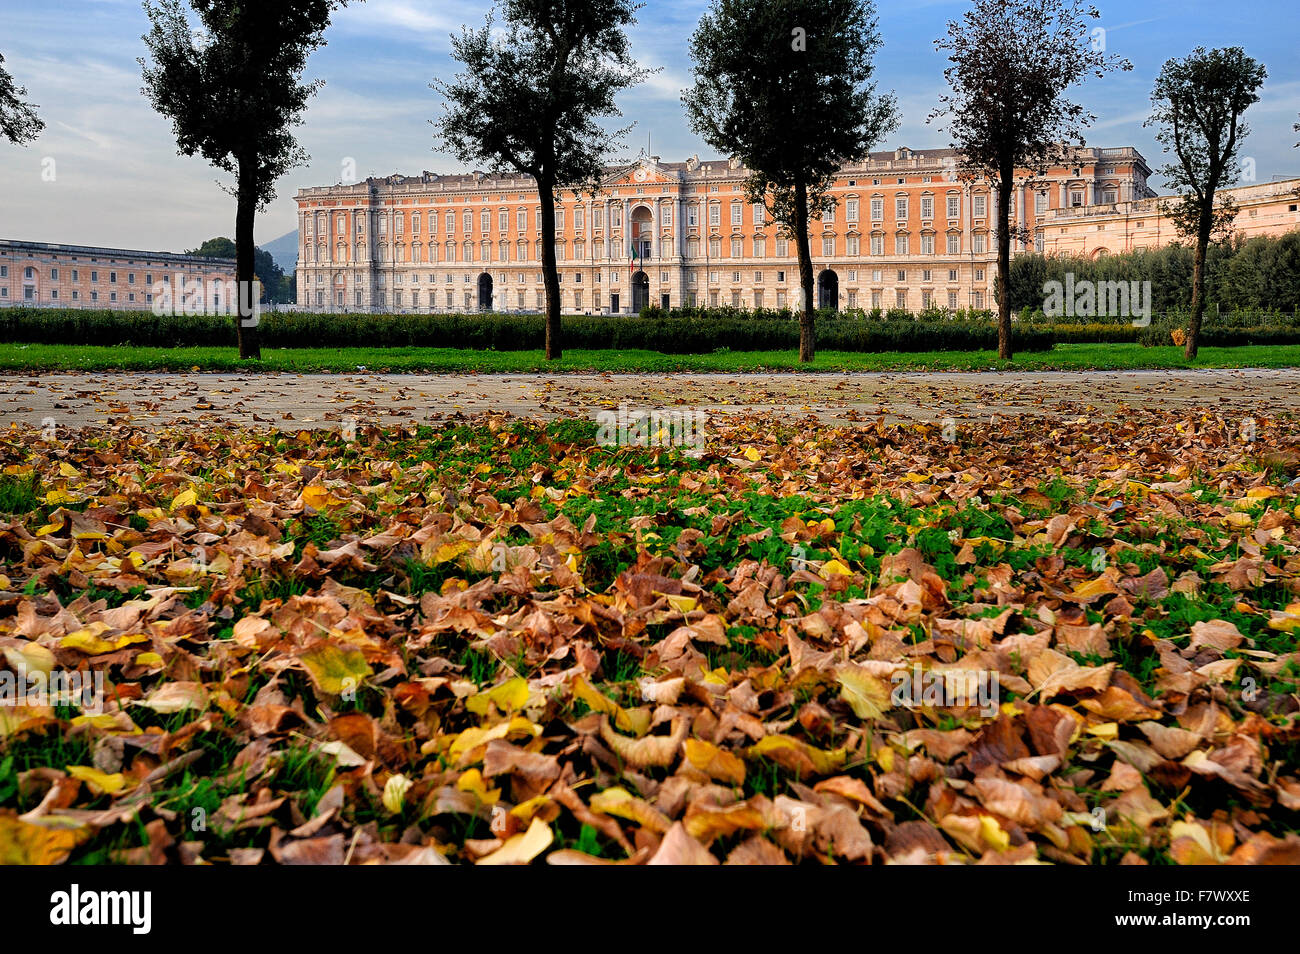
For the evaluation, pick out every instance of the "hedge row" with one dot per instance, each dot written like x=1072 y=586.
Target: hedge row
x=669 y=335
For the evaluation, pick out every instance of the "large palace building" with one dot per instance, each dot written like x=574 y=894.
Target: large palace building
x=905 y=233
x=87 y=276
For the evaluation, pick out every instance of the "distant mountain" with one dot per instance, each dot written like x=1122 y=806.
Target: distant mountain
x=284 y=250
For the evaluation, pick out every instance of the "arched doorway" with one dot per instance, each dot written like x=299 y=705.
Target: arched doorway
x=642 y=233
x=640 y=292
x=485 y=292
x=828 y=290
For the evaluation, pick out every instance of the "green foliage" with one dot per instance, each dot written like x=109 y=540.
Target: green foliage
x=1260 y=274
x=683 y=333
x=534 y=101
x=767 y=76
x=18 y=120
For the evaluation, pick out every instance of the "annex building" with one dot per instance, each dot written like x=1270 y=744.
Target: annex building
x=905 y=233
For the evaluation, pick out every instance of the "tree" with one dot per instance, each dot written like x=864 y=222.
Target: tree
x=785 y=87
x=530 y=101
x=18 y=120
x=269 y=275
x=231 y=85
x=1012 y=63
x=1197 y=106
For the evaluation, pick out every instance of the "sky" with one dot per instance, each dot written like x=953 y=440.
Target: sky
x=106 y=171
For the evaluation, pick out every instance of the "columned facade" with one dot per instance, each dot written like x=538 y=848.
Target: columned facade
x=906 y=232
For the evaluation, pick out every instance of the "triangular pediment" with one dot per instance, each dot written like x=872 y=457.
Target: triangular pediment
x=640 y=173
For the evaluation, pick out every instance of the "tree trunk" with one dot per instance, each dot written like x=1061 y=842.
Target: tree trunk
x=246 y=291
x=1203 y=227
x=1003 y=288
x=807 y=346
x=550 y=277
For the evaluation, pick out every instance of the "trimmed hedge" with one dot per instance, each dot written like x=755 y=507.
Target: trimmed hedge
x=668 y=335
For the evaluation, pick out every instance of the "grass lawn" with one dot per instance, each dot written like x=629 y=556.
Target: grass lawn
x=41 y=357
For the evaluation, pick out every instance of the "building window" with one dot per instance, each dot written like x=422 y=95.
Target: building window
x=851 y=210
x=877 y=210
x=737 y=248
x=735 y=214
x=977 y=243
x=900 y=208
x=1040 y=203
x=828 y=246
x=900 y=244
x=877 y=245
x=927 y=244
x=954 y=206
x=927 y=206
x=979 y=206
x=954 y=243
x=852 y=246
x=715 y=215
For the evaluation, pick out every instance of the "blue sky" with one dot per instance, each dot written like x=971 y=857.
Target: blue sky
x=117 y=179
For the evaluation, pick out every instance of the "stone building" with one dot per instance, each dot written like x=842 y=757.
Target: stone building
x=906 y=232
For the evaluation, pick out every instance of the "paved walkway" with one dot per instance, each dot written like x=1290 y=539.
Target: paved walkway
x=296 y=401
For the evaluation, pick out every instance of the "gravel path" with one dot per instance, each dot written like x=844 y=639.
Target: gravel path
x=292 y=401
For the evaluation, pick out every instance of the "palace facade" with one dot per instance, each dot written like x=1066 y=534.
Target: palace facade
x=1264 y=208
x=86 y=276
x=905 y=233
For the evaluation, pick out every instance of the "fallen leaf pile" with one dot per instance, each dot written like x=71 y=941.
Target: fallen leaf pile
x=496 y=642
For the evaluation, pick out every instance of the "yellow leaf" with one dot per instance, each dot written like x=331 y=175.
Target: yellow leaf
x=866 y=695
x=315 y=496
x=67 y=470
x=395 y=792
x=335 y=669
x=798 y=755
x=683 y=604
x=30 y=657
x=620 y=802
x=1106 y=731
x=49 y=842
x=472 y=781
x=472 y=738
x=449 y=551
x=511 y=694
x=521 y=849
x=715 y=762
x=99 y=782
x=993 y=834
x=752 y=454
x=833 y=568
x=186 y=498
x=636 y=721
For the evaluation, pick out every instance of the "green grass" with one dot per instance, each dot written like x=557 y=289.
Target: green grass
x=39 y=357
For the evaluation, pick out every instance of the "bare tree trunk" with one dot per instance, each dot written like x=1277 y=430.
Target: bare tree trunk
x=1203 y=228
x=1004 y=265
x=246 y=291
x=807 y=345
x=550 y=277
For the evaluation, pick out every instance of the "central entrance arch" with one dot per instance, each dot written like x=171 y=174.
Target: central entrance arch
x=640 y=292
x=485 y=292
x=828 y=290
